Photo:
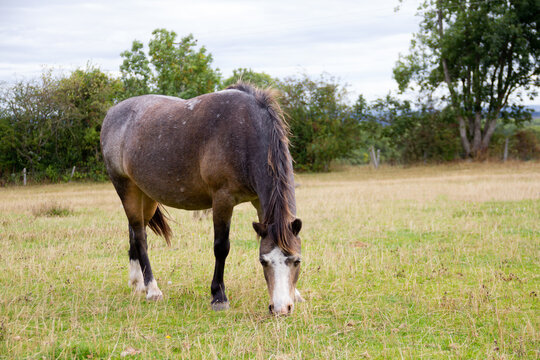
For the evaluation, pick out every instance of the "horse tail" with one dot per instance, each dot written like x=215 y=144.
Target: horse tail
x=159 y=224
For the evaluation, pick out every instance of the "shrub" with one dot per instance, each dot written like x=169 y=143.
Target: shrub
x=526 y=144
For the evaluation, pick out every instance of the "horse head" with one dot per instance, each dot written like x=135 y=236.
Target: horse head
x=281 y=266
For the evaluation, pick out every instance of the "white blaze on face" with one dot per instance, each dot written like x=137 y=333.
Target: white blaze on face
x=281 y=296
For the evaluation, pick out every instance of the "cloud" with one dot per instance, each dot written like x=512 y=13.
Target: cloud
x=356 y=41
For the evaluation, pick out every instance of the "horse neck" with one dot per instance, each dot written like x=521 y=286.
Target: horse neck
x=276 y=198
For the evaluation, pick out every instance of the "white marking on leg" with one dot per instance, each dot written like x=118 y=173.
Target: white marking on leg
x=153 y=291
x=136 y=280
x=281 y=296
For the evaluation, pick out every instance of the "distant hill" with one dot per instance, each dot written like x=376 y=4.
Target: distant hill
x=536 y=113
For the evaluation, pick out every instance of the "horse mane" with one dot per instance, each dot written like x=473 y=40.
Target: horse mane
x=278 y=214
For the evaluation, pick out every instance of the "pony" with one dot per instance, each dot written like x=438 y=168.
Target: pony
x=213 y=151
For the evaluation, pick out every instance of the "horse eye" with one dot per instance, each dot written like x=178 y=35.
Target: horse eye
x=264 y=262
x=297 y=262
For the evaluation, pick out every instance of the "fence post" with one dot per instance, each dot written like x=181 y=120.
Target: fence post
x=24 y=176
x=72 y=172
x=373 y=157
x=505 y=155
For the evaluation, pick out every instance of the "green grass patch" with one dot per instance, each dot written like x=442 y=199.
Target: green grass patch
x=432 y=262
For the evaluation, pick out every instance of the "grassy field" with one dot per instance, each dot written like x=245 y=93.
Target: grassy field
x=423 y=262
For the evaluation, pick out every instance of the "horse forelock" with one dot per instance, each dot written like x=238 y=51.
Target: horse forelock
x=278 y=212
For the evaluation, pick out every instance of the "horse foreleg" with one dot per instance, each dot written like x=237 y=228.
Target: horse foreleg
x=222 y=212
x=257 y=205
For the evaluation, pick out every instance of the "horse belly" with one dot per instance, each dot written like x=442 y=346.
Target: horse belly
x=176 y=186
x=182 y=197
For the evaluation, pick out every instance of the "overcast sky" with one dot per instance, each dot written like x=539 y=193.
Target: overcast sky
x=356 y=41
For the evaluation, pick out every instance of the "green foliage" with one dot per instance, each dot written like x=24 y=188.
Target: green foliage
x=420 y=134
x=28 y=121
x=135 y=69
x=321 y=123
x=523 y=143
x=52 y=124
x=259 y=79
x=527 y=144
x=8 y=152
x=85 y=96
x=175 y=68
x=404 y=134
x=484 y=53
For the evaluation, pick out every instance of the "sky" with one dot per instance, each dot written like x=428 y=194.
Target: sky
x=357 y=42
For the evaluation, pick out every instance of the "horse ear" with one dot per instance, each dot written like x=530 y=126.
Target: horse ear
x=260 y=229
x=296 y=226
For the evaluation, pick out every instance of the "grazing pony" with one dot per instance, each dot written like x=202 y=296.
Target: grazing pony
x=213 y=151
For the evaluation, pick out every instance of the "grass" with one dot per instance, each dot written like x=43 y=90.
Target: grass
x=422 y=262
x=51 y=208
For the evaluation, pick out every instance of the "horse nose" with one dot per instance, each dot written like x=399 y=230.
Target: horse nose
x=283 y=310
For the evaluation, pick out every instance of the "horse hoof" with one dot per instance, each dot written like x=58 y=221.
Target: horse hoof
x=153 y=292
x=137 y=287
x=220 y=306
x=139 y=290
x=154 y=296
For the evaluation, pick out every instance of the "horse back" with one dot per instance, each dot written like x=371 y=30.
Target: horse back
x=180 y=152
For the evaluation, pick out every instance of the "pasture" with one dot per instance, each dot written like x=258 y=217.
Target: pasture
x=422 y=262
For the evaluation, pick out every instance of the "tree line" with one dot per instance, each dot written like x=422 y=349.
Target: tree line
x=469 y=67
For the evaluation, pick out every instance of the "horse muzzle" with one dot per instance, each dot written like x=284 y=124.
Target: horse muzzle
x=283 y=310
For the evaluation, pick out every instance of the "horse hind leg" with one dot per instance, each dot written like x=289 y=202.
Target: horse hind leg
x=153 y=292
x=139 y=261
x=139 y=210
x=136 y=279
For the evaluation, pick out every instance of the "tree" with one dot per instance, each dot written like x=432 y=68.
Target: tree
x=418 y=133
x=484 y=55
x=82 y=101
x=321 y=123
x=135 y=71
x=373 y=131
x=27 y=121
x=175 y=68
x=259 y=79
x=51 y=124
x=403 y=132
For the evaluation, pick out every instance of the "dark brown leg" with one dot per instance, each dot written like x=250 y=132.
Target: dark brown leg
x=139 y=209
x=222 y=206
x=257 y=205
